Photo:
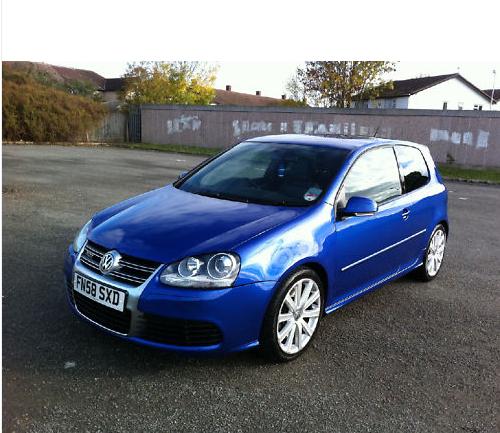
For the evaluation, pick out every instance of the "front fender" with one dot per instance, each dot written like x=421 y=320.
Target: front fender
x=276 y=253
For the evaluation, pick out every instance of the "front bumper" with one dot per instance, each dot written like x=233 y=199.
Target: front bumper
x=237 y=313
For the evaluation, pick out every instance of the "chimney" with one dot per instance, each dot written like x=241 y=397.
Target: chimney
x=257 y=93
x=283 y=97
x=228 y=87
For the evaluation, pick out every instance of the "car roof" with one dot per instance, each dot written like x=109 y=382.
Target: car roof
x=337 y=141
x=343 y=142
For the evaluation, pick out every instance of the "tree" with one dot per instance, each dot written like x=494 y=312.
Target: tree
x=339 y=83
x=297 y=92
x=169 y=83
x=81 y=88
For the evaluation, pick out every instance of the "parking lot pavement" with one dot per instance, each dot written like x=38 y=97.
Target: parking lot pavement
x=410 y=357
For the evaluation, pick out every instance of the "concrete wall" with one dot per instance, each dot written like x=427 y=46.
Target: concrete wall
x=466 y=137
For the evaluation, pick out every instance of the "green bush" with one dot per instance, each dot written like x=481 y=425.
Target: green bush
x=35 y=112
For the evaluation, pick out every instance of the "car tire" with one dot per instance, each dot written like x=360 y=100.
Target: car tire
x=290 y=325
x=434 y=255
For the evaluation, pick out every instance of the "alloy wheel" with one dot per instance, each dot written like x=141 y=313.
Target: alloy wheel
x=298 y=316
x=435 y=252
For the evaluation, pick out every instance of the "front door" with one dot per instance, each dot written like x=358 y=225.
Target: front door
x=368 y=248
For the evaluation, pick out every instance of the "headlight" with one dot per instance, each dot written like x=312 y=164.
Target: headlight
x=207 y=271
x=81 y=237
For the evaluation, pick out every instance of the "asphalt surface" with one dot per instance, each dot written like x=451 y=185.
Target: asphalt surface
x=410 y=357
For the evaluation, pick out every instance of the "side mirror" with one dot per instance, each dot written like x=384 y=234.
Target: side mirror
x=359 y=206
x=182 y=174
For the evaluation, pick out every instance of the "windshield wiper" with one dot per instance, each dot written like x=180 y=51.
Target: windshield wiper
x=232 y=197
x=222 y=196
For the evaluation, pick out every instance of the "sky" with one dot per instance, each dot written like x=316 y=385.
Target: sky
x=271 y=77
x=248 y=40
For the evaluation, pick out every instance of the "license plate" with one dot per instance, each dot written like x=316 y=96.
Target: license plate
x=104 y=295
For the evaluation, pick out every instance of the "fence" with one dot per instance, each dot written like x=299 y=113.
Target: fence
x=113 y=128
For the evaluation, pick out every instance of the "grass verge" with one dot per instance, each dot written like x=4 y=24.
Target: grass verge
x=172 y=148
x=489 y=175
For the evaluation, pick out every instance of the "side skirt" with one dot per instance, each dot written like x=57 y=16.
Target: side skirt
x=351 y=297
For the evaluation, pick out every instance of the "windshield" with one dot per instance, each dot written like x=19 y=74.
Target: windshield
x=268 y=173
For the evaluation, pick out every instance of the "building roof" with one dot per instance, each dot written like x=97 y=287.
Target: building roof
x=415 y=85
x=496 y=93
x=61 y=74
x=228 y=97
x=222 y=97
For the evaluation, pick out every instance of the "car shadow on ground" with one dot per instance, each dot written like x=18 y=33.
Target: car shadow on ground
x=92 y=349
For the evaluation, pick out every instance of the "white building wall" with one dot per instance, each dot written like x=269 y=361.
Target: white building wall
x=400 y=102
x=454 y=92
x=110 y=96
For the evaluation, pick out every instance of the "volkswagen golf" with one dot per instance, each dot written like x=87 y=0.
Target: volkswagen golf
x=255 y=246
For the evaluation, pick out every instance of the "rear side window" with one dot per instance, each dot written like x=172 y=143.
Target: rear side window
x=374 y=175
x=412 y=166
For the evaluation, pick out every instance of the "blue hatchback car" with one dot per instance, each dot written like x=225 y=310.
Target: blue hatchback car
x=254 y=246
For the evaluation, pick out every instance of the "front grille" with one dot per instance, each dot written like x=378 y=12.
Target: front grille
x=179 y=332
x=133 y=271
x=105 y=316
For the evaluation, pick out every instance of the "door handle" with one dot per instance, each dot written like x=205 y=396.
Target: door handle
x=405 y=214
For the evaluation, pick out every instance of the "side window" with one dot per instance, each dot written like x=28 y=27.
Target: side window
x=412 y=166
x=374 y=175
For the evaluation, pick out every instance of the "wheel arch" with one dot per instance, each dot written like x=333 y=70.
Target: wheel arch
x=321 y=271
x=316 y=267
x=445 y=225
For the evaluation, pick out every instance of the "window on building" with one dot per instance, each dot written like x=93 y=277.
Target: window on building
x=445 y=105
x=478 y=107
x=393 y=103
x=412 y=166
x=374 y=175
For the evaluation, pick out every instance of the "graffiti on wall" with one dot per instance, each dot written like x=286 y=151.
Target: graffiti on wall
x=245 y=126
x=455 y=137
x=242 y=127
x=183 y=123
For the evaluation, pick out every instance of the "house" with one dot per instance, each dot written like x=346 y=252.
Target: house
x=111 y=88
x=440 y=92
x=228 y=97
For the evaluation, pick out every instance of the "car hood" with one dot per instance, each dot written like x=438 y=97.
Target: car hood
x=168 y=224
